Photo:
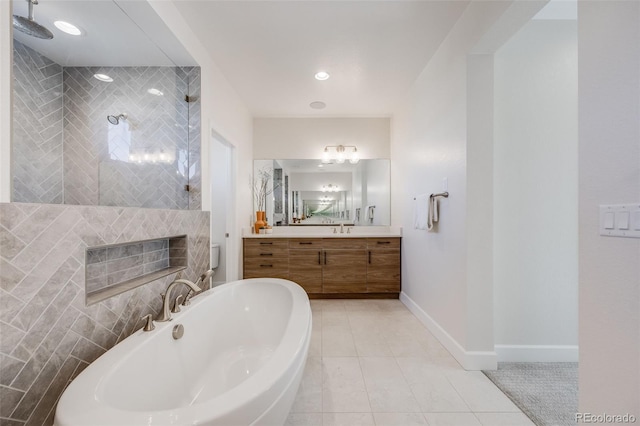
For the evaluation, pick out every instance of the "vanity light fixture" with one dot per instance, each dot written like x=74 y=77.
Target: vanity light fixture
x=340 y=153
x=330 y=188
x=322 y=75
x=103 y=77
x=68 y=28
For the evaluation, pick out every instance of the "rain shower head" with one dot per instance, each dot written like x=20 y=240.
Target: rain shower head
x=29 y=26
x=115 y=119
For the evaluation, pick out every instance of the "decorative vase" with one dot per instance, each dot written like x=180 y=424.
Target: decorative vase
x=260 y=216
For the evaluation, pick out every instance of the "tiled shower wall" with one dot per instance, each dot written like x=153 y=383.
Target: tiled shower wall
x=65 y=150
x=48 y=334
x=98 y=165
x=37 y=127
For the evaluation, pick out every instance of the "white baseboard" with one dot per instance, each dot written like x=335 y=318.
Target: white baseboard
x=470 y=360
x=537 y=353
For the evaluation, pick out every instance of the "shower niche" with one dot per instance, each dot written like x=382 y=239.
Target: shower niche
x=112 y=123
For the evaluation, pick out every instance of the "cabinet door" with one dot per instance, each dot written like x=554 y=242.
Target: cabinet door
x=305 y=268
x=344 y=271
x=383 y=271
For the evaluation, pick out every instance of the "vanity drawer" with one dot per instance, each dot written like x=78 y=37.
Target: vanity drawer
x=305 y=243
x=266 y=247
x=344 y=243
x=267 y=267
x=383 y=243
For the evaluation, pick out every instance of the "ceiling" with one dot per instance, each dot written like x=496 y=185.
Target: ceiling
x=270 y=50
x=123 y=33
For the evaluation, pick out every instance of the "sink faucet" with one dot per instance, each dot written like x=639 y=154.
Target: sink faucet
x=341 y=228
x=166 y=298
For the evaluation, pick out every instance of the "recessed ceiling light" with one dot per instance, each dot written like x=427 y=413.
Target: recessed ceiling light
x=154 y=91
x=317 y=105
x=322 y=75
x=68 y=28
x=103 y=77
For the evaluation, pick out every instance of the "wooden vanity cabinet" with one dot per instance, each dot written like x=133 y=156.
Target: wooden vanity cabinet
x=328 y=267
x=266 y=257
x=305 y=263
x=383 y=265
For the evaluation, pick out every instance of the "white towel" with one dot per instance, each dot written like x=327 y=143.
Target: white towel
x=420 y=211
x=433 y=212
x=369 y=214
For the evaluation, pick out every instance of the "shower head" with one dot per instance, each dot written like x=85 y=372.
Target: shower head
x=115 y=119
x=29 y=26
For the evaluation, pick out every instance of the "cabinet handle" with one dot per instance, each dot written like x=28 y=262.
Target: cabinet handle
x=325 y=257
x=265 y=244
x=266 y=254
x=308 y=243
x=319 y=261
x=266 y=266
x=369 y=257
x=384 y=242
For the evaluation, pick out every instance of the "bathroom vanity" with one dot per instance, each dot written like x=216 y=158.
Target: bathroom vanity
x=336 y=266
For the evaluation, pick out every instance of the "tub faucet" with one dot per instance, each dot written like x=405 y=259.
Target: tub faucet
x=166 y=298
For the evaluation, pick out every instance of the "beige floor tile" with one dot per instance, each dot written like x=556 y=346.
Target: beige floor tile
x=368 y=344
x=304 y=419
x=399 y=419
x=452 y=419
x=330 y=318
x=504 y=419
x=388 y=390
x=337 y=340
x=309 y=396
x=480 y=393
x=419 y=369
x=343 y=388
x=438 y=395
x=348 y=419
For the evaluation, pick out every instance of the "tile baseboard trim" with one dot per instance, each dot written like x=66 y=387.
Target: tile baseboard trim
x=537 y=353
x=470 y=360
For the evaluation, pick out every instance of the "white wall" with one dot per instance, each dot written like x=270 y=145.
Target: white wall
x=609 y=164
x=429 y=143
x=288 y=138
x=535 y=210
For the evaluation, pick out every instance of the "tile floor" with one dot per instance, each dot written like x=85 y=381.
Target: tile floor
x=371 y=362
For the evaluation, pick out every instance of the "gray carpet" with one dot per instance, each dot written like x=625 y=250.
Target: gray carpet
x=547 y=392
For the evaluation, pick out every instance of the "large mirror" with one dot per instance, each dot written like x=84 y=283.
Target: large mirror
x=109 y=115
x=310 y=192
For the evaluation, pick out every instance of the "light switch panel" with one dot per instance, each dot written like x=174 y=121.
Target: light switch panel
x=620 y=220
x=635 y=217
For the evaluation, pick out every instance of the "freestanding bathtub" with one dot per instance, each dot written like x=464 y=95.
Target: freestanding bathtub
x=239 y=362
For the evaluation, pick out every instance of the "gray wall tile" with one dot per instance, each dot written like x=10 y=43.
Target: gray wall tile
x=48 y=334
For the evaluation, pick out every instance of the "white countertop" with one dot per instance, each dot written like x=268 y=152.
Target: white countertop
x=327 y=232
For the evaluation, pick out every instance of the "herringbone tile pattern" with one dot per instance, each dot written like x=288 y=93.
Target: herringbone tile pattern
x=48 y=334
x=37 y=127
x=98 y=167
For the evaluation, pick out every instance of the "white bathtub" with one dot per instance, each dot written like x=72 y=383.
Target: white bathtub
x=239 y=362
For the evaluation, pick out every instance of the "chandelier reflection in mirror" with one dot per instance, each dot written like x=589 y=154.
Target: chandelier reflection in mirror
x=340 y=153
